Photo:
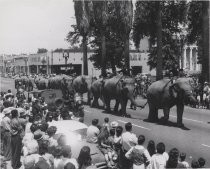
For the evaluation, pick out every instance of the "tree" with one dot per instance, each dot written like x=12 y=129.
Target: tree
x=124 y=11
x=83 y=12
x=198 y=18
x=159 y=21
x=99 y=29
x=42 y=50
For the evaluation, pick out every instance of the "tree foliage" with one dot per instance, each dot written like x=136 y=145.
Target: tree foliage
x=107 y=23
x=83 y=12
x=195 y=26
x=145 y=24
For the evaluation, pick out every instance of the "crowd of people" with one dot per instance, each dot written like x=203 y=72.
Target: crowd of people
x=131 y=151
x=29 y=141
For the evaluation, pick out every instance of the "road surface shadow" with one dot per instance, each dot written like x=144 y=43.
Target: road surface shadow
x=168 y=123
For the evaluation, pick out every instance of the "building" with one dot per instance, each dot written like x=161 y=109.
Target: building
x=189 y=59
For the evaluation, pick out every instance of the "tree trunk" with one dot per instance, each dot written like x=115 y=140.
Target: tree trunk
x=205 y=42
x=159 y=69
x=103 y=54
x=85 y=59
x=126 y=52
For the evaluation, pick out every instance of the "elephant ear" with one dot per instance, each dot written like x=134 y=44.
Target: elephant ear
x=173 y=90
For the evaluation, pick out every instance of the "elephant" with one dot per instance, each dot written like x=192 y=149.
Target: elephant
x=41 y=83
x=121 y=89
x=165 y=93
x=96 y=90
x=82 y=84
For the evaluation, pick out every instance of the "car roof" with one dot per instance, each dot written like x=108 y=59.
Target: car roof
x=70 y=125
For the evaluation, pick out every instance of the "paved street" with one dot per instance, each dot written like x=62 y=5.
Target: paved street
x=194 y=139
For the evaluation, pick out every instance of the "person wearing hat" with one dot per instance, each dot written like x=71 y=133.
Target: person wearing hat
x=6 y=134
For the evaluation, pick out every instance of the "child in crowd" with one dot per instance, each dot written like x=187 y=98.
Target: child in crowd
x=106 y=123
x=194 y=164
x=201 y=162
x=151 y=147
x=159 y=160
x=182 y=157
x=105 y=146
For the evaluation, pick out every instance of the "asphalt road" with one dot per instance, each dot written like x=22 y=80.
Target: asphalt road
x=194 y=139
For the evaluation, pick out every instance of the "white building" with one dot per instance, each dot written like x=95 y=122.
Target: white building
x=189 y=59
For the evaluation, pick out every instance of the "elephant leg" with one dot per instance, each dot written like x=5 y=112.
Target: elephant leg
x=180 y=109
x=153 y=113
x=107 y=102
x=123 y=107
x=166 y=112
x=90 y=97
x=116 y=106
x=95 y=102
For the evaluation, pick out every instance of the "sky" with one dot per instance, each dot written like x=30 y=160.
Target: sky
x=26 y=25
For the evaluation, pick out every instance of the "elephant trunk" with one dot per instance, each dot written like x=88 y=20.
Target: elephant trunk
x=191 y=98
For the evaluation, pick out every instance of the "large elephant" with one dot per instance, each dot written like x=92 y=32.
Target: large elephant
x=82 y=84
x=96 y=90
x=121 y=89
x=164 y=94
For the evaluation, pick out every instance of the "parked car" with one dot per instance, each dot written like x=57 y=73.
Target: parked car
x=75 y=133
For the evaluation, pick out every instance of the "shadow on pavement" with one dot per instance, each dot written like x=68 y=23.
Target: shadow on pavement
x=168 y=123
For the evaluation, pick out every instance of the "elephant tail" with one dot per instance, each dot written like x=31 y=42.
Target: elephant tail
x=143 y=106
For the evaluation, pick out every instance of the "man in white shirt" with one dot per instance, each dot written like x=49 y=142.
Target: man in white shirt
x=129 y=140
x=93 y=132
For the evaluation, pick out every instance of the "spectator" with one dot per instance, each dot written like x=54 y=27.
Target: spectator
x=27 y=141
x=6 y=129
x=32 y=156
x=118 y=144
x=17 y=131
x=106 y=123
x=202 y=162
x=114 y=124
x=139 y=155
x=195 y=164
x=173 y=161
x=84 y=159
x=46 y=160
x=57 y=157
x=182 y=157
x=51 y=132
x=92 y=132
x=104 y=146
x=62 y=141
x=129 y=140
x=111 y=137
x=158 y=160
x=151 y=147
x=69 y=166
x=38 y=136
x=66 y=153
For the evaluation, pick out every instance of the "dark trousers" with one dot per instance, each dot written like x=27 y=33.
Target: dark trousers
x=16 y=144
x=7 y=145
x=126 y=163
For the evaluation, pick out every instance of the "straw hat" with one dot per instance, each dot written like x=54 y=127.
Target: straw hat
x=8 y=110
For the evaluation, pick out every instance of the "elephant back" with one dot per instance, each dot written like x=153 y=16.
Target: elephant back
x=81 y=84
x=42 y=83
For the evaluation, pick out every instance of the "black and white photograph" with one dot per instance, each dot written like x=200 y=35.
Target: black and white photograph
x=104 y=84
